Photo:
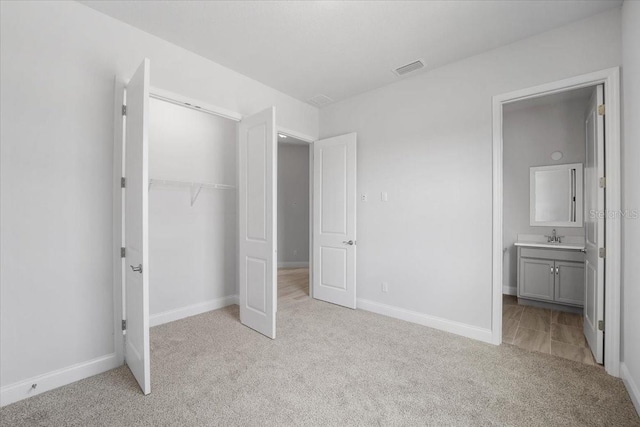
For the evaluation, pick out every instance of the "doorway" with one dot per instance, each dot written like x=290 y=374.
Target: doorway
x=544 y=266
x=294 y=216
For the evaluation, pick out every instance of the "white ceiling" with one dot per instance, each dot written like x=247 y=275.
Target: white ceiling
x=340 y=49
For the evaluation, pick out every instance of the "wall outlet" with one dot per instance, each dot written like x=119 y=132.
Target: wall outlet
x=384 y=196
x=385 y=287
x=363 y=197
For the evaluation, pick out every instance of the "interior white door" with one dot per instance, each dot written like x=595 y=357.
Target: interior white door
x=594 y=226
x=334 y=220
x=257 y=184
x=137 y=227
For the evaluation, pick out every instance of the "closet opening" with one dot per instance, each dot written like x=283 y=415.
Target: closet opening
x=192 y=211
x=293 y=210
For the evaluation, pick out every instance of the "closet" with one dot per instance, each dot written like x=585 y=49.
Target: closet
x=179 y=243
x=192 y=211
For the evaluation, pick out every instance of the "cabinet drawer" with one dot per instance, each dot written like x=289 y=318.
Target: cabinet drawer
x=553 y=254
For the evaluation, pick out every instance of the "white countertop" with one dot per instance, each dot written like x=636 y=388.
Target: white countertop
x=569 y=246
x=575 y=243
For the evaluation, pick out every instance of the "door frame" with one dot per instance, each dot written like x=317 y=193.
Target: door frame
x=610 y=78
x=309 y=140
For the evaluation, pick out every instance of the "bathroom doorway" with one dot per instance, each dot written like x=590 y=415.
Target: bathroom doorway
x=549 y=244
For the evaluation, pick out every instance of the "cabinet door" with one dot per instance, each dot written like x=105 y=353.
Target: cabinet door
x=536 y=279
x=570 y=282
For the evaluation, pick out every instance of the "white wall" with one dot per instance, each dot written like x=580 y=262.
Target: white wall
x=192 y=249
x=427 y=141
x=631 y=197
x=57 y=72
x=293 y=204
x=530 y=135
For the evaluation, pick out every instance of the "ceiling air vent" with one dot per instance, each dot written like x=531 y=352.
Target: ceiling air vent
x=320 y=100
x=408 y=68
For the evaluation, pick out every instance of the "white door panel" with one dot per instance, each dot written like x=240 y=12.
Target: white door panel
x=594 y=226
x=334 y=220
x=137 y=228
x=257 y=183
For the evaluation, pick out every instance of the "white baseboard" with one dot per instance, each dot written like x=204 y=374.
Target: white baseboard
x=191 y=310
x=631 y=385
x=509 y=290
x=293 y=264
x=51 y=380
x=458 y=328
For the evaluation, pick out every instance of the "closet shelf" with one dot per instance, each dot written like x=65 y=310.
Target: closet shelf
x=195 y=187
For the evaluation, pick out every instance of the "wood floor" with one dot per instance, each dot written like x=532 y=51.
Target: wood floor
x=545 y=331
x=293 y=285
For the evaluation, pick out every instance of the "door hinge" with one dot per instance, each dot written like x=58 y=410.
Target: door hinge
x=123 y=182
x=124 y=110
x=601 y=325
x=123 y=252
x=601 y=110
x=603 y=182
x=124 y=325
x=602 y=252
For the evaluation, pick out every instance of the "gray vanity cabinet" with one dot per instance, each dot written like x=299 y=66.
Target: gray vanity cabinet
x=551 y=275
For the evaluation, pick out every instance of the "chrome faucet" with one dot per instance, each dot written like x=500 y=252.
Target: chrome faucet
x=553 y=237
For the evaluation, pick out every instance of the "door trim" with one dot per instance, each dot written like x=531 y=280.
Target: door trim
x=610 y=78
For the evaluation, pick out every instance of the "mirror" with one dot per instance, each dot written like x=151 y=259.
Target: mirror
x=555 y=197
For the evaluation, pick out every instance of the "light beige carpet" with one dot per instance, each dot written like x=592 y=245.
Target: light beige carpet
x=333 y=366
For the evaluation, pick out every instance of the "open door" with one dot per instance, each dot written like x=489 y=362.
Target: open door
x=334 y=220
x=594 y=226
x=136 y=225
x=257 y=184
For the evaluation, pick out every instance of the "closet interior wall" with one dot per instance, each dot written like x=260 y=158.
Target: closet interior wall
x=192 y=229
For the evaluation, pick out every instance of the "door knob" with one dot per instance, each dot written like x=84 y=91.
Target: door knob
x=138 y=268
x=349 y=242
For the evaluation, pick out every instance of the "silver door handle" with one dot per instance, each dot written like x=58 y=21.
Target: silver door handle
x=138 y=268
x=349 y=242
x=557 y=270
x=551 y=269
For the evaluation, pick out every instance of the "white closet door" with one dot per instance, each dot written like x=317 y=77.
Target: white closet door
x=137 y=227
x=334 y=220
x=594 y=227
x=257 y=184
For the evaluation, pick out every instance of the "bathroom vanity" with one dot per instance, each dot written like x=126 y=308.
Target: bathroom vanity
x=550 y=268
x=551 y=273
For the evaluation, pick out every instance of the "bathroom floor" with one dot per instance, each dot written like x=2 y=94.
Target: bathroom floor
x=545 y=331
